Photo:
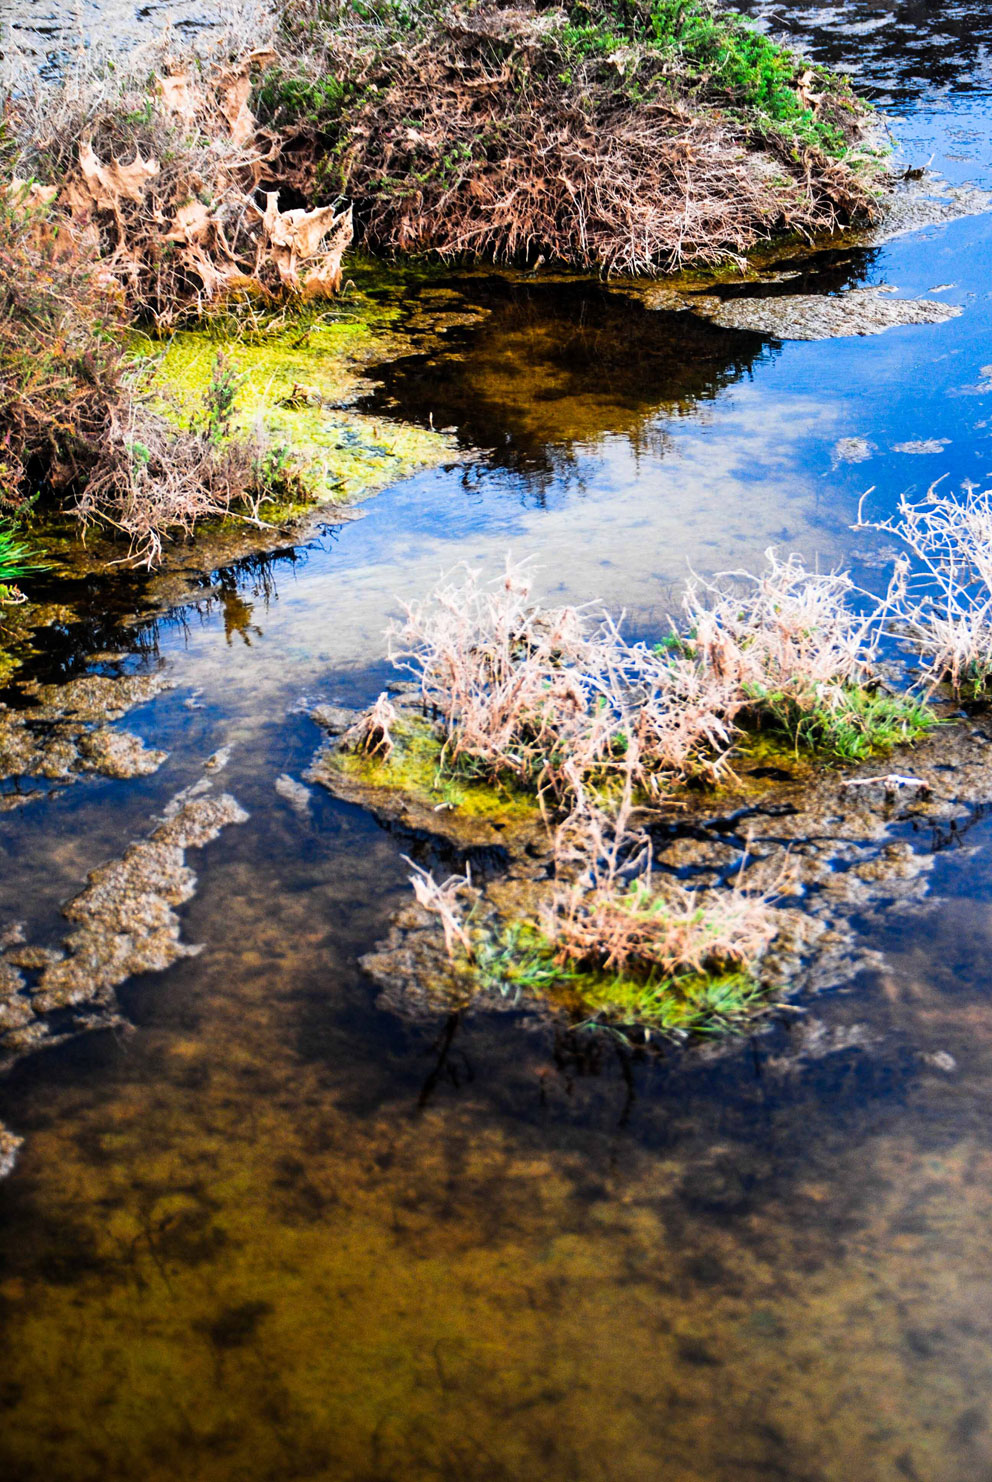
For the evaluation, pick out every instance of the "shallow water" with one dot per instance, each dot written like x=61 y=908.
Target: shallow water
x=279 y=1231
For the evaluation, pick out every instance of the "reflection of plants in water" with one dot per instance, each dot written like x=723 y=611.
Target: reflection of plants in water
x=234 y=590
x=555 y=369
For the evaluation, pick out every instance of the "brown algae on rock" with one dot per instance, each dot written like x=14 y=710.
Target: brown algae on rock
x=126 y=916
x=66 y=730
x=125 y=922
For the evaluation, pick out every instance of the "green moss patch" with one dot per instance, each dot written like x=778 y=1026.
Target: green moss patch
x=866 y=721
x=517 y=961
x=414 y=787
x=297 y=380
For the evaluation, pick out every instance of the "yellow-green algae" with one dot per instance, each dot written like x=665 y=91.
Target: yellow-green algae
x=299 y=379
x=412 y=786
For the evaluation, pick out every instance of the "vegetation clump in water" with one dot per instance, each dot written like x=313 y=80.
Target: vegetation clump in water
x=944 y=600
x=628 y=137
x=557 y=699
x=558 y=705
x=609 y=940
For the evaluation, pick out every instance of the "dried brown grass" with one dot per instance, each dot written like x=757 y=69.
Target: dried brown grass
x=788 y=632
x=555 y=698
x=157 y=160
x=609 y=912
x=941 y=595
x=372 y=733
x=482 y=134
x=444 y=900
x=61 y=351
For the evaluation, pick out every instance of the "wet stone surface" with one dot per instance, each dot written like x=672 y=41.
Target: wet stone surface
x=125 y=922
x=64 y=731
x=861 y=311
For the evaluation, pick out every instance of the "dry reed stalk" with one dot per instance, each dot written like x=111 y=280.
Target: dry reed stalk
x=945 y=605
x=789 y=632
x=554 y=697
x=610 y=912
x=442 y=900
x=371 y=732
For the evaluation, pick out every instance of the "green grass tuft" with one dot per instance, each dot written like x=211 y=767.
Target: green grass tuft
x=865 y=721
x=16 y=560
x=518 y=961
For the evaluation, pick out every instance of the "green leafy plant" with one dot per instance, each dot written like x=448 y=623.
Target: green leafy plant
x=16 y=560
x=220 y=399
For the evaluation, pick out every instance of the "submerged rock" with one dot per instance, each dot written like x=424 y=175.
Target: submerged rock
x=66 y=731
x=125 y=923
x=294 y=793
x=859 y=311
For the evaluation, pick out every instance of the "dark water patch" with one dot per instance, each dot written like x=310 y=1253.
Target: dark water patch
x=898 y=49
x=557 y=365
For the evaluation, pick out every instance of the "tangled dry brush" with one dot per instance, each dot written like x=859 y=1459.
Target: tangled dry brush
x=158 y=164
x=559 y=701
x=614 y=138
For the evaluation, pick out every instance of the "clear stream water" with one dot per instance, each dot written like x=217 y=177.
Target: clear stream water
x=280 y=1232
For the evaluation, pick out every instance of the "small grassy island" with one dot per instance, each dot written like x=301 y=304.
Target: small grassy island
x=546 y=733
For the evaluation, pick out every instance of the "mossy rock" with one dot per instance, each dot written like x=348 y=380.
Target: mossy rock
x=411 y=789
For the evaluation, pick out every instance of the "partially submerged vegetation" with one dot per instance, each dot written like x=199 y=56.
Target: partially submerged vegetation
x=560 y=702
x=609 y=940
x=943 y=588
x=601 y=733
